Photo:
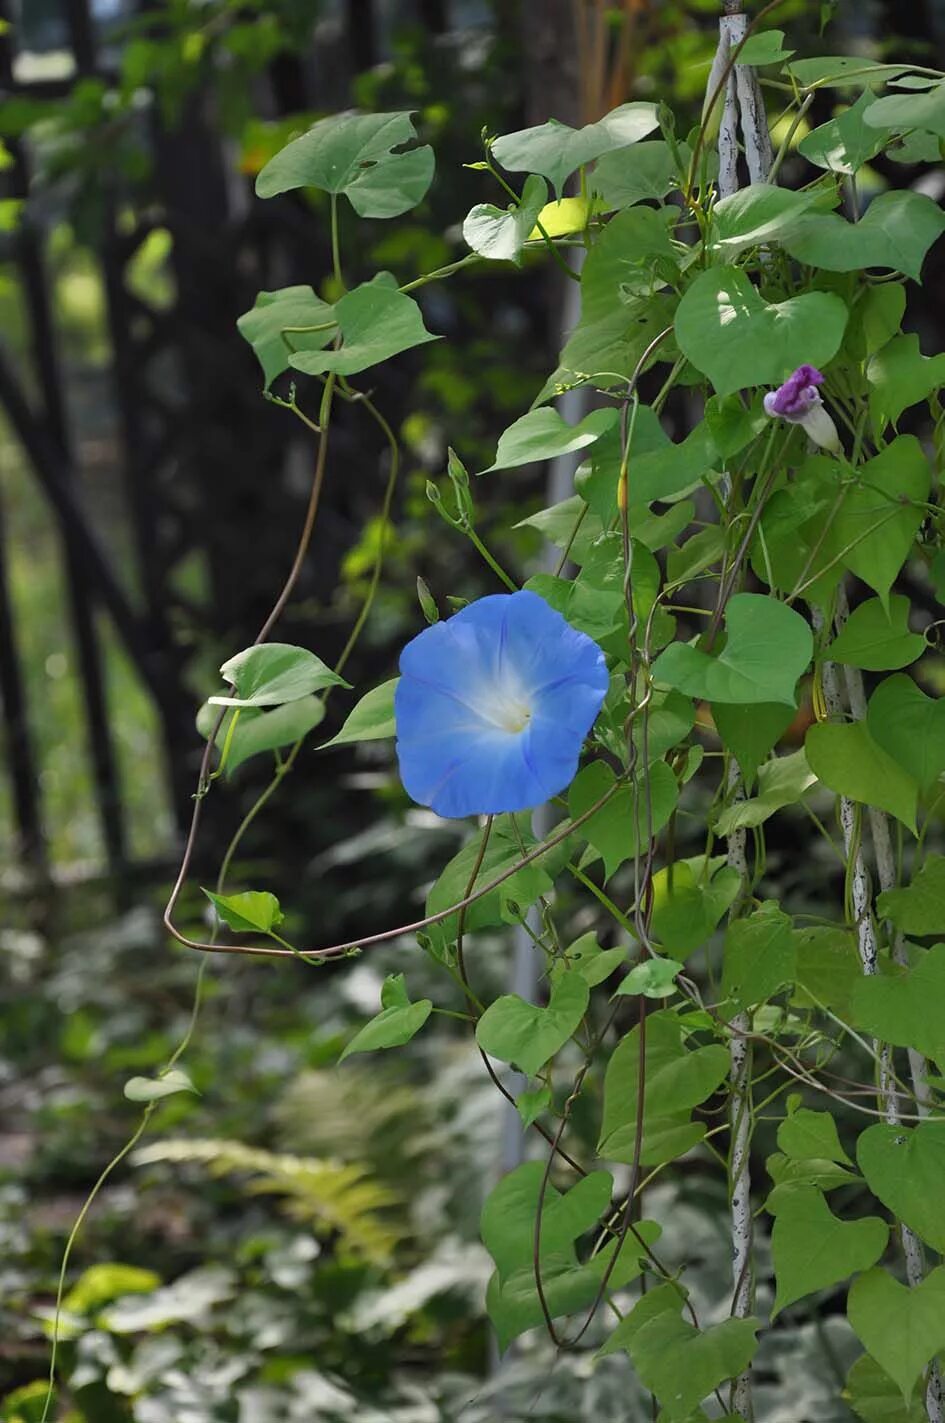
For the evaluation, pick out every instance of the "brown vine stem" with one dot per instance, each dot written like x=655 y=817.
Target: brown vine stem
x=305 y=539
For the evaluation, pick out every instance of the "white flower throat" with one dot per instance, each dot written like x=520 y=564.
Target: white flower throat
x=504 y=704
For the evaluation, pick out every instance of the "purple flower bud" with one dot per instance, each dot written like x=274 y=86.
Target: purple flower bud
x=798 y=400
x=798 y=393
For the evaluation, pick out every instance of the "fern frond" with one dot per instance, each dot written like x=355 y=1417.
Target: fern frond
x=331 y=1197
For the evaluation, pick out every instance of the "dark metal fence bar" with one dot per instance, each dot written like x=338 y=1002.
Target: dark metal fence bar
x=21 y=762
x=31 y=264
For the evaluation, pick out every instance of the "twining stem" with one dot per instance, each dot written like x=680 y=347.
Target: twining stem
x=919 y=1071
x=740 y=1117
x=868 y=949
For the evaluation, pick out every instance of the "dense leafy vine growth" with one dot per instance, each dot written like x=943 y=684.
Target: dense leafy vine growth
x=728 y=637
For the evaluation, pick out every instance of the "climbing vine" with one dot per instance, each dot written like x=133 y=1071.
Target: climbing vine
x=740 y=626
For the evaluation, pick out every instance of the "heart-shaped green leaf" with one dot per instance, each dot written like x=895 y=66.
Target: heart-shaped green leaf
x=900 y=376
x=918 y=908
x=737 y=339
x=272 y=674
x=901 y=1328
x=681 y=1364
x=613 y=831
x=152 y=1089
x=910 y=726
x=847 y=760
x=371 y=719
x=281 y=322
x=256 y=731
x=812 y=1248
x=654 y=978
x=555 y=150
x=759 y=956
x=252 y=912
x=500 y=234
x=781 y=781
x=904 y=1168
x=353 y=154
x=845 y=142
x=647 y=171
x=910 y=111
x=876 y=639
x=528 y=1036
x=678 y=1078
x=689 y=898
x=875 y=1398
x=759 y=213
x=896 y=231
x=398 y=1021
x=879 y=515
x=904 y=1008
x=376 y=321
x=543 y=435
x=768 y=646
x=805 y=1135
x=751 y=732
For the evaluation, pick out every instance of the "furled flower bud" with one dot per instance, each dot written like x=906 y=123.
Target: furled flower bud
x=798 y=400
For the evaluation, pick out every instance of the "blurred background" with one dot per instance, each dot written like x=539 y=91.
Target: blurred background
x=298 y=1241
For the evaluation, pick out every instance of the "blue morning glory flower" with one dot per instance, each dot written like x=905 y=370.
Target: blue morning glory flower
x=493 y=706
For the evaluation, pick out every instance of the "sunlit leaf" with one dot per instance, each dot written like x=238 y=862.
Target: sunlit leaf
x=354 y=154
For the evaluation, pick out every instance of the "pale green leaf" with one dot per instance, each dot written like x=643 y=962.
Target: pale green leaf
x=543 y=435
x=257 y=731
x=630 y=818
x=555 y=150
x=266 y=327
x=678 y=1078
x=902 y=1328
x=376 y=321
x=767 y=648
x=371 y=719
x=904 y=1168
x=354 y=154
x=813 y=1248
x=879 y=516
x=782 y=781
x=644 y=173
x=586 y=957
x=760 y=213
x=847 y=760
x=805 y=1134
x=681 y=1364
x=911 y=111
x=876 y=639
x=875 y=1398
x=896 y=231
x=845 y=142
x=910 y=726
x=759 y=956
x=654 y=978
x=274 y=673
x=918 y=908
x=152 y=1089
x=842 y=71
x=905 y=1006
x=398 y=1021
x=526 y=1035
x=688 y=899
x=252 y=912
x=737 y=339
x=499 y=234
x=900 y=376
